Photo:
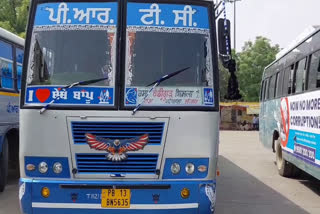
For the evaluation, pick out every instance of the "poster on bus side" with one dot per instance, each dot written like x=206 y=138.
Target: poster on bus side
x=300 y=126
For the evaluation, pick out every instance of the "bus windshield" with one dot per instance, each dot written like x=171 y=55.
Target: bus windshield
x=175 y=37
x=157 y=54
x=62 y=57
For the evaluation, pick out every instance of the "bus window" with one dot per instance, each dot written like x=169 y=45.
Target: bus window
x=314 y=72
x=261 y=90
x=19 y=59
x=276 y=88
x=286 y=88
x=300 y=76
x=6 y=66
x=271 y=87
x=291 y=83
x=266 y=91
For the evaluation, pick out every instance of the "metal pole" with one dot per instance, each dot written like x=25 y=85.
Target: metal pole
x=234 y=22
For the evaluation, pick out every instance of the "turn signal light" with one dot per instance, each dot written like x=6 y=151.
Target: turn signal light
x=202 y=168
x=185 y=193
x=45 y=192
x=30 y=167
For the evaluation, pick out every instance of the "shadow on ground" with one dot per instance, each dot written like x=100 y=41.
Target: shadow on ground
x=309 y=181
x=312 y=183
x=240 y=192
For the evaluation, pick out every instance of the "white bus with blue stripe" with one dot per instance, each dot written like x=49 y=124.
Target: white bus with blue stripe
x=119 y=107
x=11 y=56
x=290 y=107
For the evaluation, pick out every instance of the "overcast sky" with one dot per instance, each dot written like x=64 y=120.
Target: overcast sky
x=279 y=20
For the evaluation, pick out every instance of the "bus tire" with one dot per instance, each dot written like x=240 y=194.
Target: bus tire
x=4 y=164
x=285 y=168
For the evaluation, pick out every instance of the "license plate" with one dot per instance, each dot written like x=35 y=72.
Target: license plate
x=115 y=198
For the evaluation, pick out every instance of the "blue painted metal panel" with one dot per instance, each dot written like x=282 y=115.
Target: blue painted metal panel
x=167 y=174
x=169 y=15
x=118 y=130
x=75 y=13
x=50 y=161
x=138 y=196
x=86 y=211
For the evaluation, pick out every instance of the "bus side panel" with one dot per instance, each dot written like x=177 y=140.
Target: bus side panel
x=9 y=110
x=269 y=121
x=301 y=143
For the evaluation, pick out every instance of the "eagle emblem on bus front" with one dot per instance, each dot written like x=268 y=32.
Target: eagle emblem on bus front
x=117 y=149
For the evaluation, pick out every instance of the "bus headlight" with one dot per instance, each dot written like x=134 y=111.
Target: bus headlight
x=57 y=168
x=175 y=168
x=43 y=167
x=190 y=168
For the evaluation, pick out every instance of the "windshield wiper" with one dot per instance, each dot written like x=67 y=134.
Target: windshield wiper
x=87 y=82
x=155 y=84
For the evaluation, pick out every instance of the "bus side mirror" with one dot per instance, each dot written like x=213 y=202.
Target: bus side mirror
x=226 y=59
x=224 y=41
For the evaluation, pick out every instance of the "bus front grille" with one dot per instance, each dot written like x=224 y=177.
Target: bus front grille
x=135 y=163
x=118 y=130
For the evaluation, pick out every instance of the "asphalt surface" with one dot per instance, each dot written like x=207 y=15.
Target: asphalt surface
x=249 y=182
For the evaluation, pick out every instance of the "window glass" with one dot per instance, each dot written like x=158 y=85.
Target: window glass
x=266 y=91
x=314 y=72
x=271 y=87
x=156 y=48
x=19 y=59
x=72 y=42
x=6 y=66
x=291 y=83
x=276 y=84
x=261 y=90
x=286 y=87
x=300 y=76
x=279 y=84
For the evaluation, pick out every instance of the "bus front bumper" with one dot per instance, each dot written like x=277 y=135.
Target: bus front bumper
x=83 y=197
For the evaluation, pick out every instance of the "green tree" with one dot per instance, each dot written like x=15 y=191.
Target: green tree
x=255 y=56
x=14 y=15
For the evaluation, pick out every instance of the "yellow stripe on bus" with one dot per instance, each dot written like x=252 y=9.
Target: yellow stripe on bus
x=9 y=94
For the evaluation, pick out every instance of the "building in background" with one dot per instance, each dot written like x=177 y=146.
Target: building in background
x=238 y=115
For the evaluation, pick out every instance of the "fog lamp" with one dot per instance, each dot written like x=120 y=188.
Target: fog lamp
x=45 y=192
x=185 y=193
x=57 y=168
x=189 y=168
x=175 y=168
x=43 y=167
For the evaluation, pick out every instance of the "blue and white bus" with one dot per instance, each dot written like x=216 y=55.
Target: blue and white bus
x=11 y=56
x=290 y=108
x=119 y=108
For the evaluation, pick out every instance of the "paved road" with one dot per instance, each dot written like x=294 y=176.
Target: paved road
x=249 y=182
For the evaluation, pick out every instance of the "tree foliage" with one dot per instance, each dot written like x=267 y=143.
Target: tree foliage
x=255 y=56
x=251 y=61
x=13 y=15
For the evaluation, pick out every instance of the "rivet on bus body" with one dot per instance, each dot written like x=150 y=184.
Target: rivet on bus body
x=83 y=117
x=30 y=167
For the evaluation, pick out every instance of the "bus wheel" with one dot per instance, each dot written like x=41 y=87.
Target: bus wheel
x=285 y=168
x=4 y=164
